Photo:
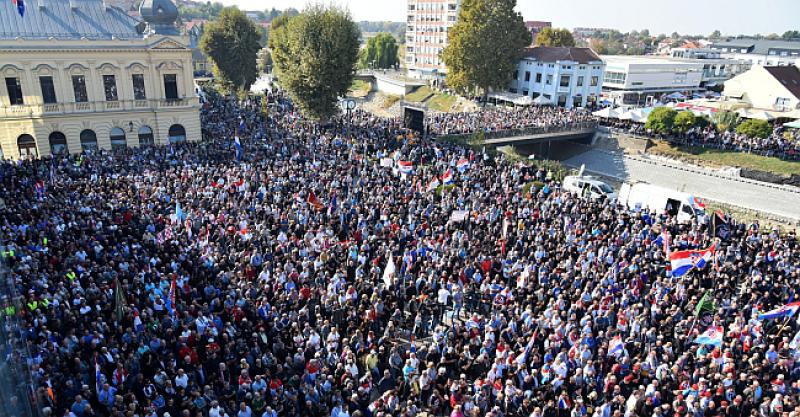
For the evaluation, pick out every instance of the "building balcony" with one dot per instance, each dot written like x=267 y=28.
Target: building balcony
x=37 y=110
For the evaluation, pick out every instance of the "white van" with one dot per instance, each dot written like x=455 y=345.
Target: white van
x=639 y=196
x=588 y=186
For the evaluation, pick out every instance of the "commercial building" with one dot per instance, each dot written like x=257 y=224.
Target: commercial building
x=775 y=89
x=642 y=79
x=764 y=52
x=80 y=75
x=568 y=77
x=535 y=26
x=427 y=24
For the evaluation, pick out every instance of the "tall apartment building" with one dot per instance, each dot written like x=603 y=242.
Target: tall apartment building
x=427 y=24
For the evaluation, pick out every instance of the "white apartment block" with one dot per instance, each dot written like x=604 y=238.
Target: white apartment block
x=427 y=24
x=567 y=77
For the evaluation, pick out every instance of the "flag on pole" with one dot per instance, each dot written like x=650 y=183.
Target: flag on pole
x=462 y=165
x=706 y=304
x=171 y=298
x=685 y=260
x=314 y=201
x=405 y=167
x=119 y=297
x=795 y=343
x=712 y=336
x=390 y=270
x=238 y=145
x=447 y=177
x=788 y=310
x=434 y=184
x=138 y=326
x=20 y=6
x=616 y=347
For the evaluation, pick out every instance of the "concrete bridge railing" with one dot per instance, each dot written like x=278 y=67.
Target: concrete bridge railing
x=498 y=135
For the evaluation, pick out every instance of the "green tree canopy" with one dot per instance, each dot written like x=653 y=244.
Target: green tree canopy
x=380 y=52
x=314 y=56
x=555 y=37
x=791 y=34
x=232 y=43
x=661 y=120
x=754 y=128
x=485 y=45
x=684 y=121
x=725 y=120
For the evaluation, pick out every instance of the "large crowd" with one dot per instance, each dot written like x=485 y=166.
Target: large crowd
x=781 y=142
x=493 y=120
x=296 y=274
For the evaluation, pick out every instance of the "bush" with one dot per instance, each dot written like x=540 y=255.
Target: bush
x=754 y=128
x=684 y=121
x=661 y=120
x=725 y=120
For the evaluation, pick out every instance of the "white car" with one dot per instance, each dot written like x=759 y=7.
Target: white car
x=588 y=186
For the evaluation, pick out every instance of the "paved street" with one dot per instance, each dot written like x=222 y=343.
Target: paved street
x=764 y=198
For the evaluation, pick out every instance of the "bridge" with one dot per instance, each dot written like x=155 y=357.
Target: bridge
x=582 y=132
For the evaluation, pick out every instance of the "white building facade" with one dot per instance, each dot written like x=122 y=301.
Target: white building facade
x=427 y=25
x=763 y=52
x=567 y=77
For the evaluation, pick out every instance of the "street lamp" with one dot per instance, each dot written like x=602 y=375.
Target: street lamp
x=347 y=105
x=130 y=127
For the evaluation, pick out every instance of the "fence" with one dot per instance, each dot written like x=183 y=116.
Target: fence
x=531 y=131
x=16 y=386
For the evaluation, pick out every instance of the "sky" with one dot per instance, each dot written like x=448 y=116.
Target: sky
x=731 y=17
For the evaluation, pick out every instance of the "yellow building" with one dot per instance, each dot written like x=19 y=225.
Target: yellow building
x=80 y=75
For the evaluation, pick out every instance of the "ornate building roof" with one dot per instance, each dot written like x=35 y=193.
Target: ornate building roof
x=68 y=19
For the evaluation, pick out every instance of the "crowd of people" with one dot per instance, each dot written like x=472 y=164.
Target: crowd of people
x=498 y=119
x=292 y=273
x=784 y=143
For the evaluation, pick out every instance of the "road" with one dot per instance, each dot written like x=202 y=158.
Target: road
x=780 y=201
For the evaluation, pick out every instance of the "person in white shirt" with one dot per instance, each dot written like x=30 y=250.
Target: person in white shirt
x=181 y=380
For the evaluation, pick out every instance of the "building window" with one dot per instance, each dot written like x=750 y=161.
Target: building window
x=451 y=7
x=58 y=143
x=615 y=77
x=593 y=82
x=539 y=77
x=516 y=74
x=527 y=75
x=110 y=87
x=138 y=87
x=146 y=136
x=117 y=137
x=14 y=91
x=524 y=92
x=549 y=79
x=177 y=134
x=26 y=145
x=48 y=90
x=512 y=90
x=564 y=81
x=88 y=140
x=79 y=88
x=171 y=86
x=580 y=81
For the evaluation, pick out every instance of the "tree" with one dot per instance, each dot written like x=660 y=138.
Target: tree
x=684 y=121
x=715 y=34
x=754 y=128
x=725 y=120
x=485 y=45
x=264 y=60
x=314 y=56
x=232 y=44
x=555 y=37
x=791 y=34
x=380 y=52
x=661 y=120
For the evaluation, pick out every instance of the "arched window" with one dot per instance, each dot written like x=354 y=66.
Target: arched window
x=117 y=137
x=88 y=140
x=27 y=146
x=146 y=136
x=58 y=143
x=177 y=134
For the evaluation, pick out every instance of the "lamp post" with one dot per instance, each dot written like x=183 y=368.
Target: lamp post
x=348 y=105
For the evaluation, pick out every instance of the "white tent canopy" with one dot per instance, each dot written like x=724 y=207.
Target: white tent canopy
x=607 y=113
x=542 y=101
x=755 y=114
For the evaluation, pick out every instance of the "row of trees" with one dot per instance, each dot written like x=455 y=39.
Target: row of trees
x=314 y=54
x=665 y=121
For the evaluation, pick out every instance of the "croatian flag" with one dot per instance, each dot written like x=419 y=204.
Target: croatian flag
x=462 y=164
x=433 y=184
x=405 y=167
x=564 y=403
x=447 y=177
x=20 y=6
x=795 y=343
x=683 y=261
x=616 y=347
x=137 y=322
x=788 y=310
x=712 y=336
x=238 y=145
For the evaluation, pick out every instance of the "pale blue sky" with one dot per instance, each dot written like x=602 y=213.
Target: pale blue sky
x=663 y=16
